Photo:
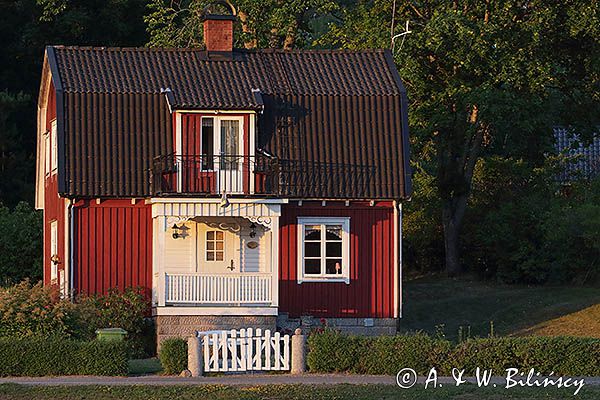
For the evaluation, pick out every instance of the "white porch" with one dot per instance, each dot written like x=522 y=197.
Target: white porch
x=214 y=260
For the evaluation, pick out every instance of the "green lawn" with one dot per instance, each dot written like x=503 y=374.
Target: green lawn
x=144 y=366
x=299 y=392
x=514 y=310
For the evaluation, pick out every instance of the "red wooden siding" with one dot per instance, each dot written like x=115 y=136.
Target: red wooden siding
x=371 y=289
x=113 y=246
x=54 y=206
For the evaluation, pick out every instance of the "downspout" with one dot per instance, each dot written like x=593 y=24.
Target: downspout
x=70 y=213
x=398 y=259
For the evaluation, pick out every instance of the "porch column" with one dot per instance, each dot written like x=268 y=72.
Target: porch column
x=159 y=258
x=275 y=262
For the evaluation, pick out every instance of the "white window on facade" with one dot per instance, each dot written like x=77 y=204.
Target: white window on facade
x=323 y=249
x=53 y=251
x=47 y=152
x=54 y=144
x=215 y=246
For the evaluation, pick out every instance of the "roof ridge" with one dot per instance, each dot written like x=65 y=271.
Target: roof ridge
x=199 y=49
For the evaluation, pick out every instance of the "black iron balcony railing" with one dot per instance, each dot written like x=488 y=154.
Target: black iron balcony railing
x=259 y=175
x=214 y=174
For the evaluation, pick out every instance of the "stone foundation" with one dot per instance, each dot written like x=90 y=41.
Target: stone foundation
x=168 y=326
x=355 y=326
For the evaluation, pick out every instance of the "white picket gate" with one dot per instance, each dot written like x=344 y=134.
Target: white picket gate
x=245 y=350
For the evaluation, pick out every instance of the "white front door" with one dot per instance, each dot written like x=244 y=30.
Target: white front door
x=229 y=146
x=218 y=251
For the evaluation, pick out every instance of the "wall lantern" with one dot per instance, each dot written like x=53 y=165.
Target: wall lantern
x=252 y=230
x=176 y=231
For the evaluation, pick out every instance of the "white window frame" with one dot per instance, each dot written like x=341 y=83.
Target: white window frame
x=47 y=151
x=323 y=221
x=54 y=144
x=206 y=250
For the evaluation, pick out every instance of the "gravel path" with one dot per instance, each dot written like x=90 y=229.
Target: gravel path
x=239 y=380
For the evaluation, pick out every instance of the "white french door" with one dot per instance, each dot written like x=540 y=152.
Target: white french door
x=229 y=147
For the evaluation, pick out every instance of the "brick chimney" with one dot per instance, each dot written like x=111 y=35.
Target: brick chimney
x=218 y=32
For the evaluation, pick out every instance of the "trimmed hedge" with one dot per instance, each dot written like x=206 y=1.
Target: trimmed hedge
x=58 y=356
x=561 y=355
x=173 y=355
x=331 y=351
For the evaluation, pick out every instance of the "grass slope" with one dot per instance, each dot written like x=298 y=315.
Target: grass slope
x=294 y=392
x=514 y=310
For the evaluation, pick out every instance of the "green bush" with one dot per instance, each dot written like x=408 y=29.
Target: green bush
x=37 y=310
x=58 y=356
x=561 y=355
x=331 y=351
x=116 y=309
x=173 y=355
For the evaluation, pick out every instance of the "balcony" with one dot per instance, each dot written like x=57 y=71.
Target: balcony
x=259 y=176
x=214 y=174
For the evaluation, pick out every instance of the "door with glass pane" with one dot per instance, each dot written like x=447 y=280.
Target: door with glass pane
x=217 y=251
x=230 y=149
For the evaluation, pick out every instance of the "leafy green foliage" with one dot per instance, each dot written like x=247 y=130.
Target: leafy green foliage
x=21 y=244
x=33 y=311
x=26 y=27
x=331 y=351
x=38 y=311
x=271 y=23
x=561 y=355
x=484 y=79
x=173 y=355
x=59 y=356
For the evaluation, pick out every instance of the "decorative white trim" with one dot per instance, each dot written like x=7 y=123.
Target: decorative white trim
x=178 y=149
x=54 y=147
x=345 y=222
x=169 y=200
x=215 y=112
x=267 y=222
x=179 y=211
x=252 y=147
x=217 y=311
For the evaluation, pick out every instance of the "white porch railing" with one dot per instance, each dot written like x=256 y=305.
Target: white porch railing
x=218 y=288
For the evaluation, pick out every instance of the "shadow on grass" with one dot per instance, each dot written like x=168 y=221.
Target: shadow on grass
x=512 y=309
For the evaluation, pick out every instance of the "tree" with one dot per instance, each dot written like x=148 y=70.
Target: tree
x=485 y=78
x=264 y=23
x=21 y=244
x=26 y=27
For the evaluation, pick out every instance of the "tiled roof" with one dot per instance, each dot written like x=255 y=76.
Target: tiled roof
x=199 y=79
x=583 y=159
x=341 y=108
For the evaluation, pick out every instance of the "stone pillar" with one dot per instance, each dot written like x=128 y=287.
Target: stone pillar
x=195 y=359
x=298 y=352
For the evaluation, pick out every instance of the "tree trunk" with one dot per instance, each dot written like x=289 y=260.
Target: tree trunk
x=452 y=218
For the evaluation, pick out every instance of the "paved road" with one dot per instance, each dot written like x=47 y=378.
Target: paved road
x=237 y=380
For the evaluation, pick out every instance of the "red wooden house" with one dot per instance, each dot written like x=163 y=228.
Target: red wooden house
x=239 y=187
